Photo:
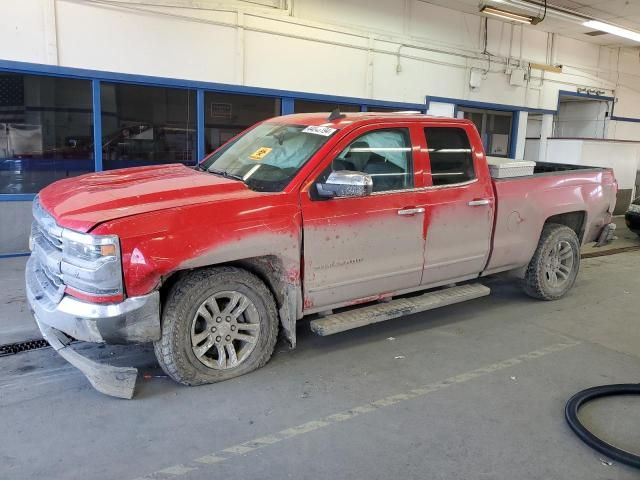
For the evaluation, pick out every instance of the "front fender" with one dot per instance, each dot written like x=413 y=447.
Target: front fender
x=156 y=245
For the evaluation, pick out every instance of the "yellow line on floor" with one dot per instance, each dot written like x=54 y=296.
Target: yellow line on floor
x=261 y=442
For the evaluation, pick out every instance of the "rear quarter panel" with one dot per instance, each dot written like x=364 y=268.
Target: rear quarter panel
x=524 y=204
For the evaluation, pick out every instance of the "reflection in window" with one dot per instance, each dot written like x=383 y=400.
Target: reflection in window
x=309 y=106
x=449 y=155
x=268 y=156
x=227 y=114
x=45 y=131
x=147 y=125
x=383 y=154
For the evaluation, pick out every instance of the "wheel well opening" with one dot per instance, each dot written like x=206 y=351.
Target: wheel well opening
x=167 y=284
x=269 y=269
x=574 y=220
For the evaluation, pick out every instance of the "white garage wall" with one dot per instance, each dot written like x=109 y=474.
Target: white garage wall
x=107 y=39
x=395 y=50
x=22 y=31
x=624 y=130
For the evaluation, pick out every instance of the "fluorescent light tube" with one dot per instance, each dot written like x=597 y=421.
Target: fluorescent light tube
x=503 y=14
x=613 y=30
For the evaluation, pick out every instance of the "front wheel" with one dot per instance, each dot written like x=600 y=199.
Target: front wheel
x=554 y=267
x=217 y=323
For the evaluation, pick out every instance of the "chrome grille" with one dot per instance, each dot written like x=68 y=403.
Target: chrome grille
x=46 y=245
x=47 y=224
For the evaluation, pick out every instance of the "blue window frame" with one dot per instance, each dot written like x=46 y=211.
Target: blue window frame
x=80 y=128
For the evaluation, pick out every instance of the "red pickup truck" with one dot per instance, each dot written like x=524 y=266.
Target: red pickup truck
x=341 y=218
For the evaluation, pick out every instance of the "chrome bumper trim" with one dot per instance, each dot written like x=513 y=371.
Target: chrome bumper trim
x=135 y=320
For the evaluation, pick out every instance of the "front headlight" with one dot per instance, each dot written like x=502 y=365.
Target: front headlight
x=89 y=248
x=633 y=208
x=91 y=263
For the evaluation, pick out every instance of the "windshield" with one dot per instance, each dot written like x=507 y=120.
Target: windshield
x=268 y=156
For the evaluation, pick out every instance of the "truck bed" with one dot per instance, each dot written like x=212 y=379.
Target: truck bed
x=523 y=204
x=554 y=168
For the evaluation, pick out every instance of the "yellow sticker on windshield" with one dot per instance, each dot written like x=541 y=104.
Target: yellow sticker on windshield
x=260 y=153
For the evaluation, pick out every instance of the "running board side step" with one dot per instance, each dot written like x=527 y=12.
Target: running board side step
x=400 y=307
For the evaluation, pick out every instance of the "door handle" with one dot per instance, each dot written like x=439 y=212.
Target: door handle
x=410 y=211
x=479 y=202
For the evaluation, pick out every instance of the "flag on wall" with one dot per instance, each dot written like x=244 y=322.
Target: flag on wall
x=11 y=99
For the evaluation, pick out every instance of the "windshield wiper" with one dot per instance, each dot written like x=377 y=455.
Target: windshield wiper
x=225 y=174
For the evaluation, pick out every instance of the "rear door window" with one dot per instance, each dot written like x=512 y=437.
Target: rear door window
x=449 y=155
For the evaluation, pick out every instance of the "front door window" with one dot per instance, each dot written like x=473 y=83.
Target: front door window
x=383 y=154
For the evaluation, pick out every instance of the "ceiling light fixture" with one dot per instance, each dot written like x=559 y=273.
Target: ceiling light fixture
x=505 y=15
x=613 y=30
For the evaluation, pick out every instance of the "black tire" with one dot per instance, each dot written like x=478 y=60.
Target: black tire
x=536 y=282
x=174 y=350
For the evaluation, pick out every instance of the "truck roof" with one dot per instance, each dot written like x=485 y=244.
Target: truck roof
x=356 y=118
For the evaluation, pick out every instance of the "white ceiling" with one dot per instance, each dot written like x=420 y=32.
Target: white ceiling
x=624 y=13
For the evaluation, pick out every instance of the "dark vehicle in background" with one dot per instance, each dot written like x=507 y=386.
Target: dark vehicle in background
x=632 y=217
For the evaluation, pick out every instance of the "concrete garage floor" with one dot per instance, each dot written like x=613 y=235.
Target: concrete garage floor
x=473 y=391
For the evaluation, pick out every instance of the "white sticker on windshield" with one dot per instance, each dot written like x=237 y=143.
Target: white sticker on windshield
x=324 y=131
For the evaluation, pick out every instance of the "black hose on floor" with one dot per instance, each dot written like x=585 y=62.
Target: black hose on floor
x=579 y=399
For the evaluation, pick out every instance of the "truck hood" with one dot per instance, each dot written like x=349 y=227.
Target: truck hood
x=81 y=203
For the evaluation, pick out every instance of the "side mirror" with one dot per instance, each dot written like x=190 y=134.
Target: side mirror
x=345 y=183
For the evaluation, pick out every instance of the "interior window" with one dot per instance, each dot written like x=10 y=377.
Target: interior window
x=45 y=131
x=494 y=128
x=383 y=154
x=143 y=125
x=450 y=155
x=228 y=114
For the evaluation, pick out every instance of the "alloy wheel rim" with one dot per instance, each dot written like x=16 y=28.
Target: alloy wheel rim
x=225 y=330
x=558 y=264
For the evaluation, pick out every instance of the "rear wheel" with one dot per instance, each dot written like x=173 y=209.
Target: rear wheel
x=554 y=267
x=217 y=323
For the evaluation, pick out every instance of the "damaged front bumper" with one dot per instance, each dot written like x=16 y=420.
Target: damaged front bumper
x=114 y=381
x=135 y=320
